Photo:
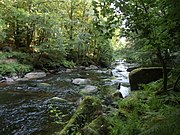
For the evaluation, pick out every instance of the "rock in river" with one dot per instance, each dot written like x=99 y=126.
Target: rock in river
x=91 y=67
x=89 y=89
x=58 y=99
x=33 y=75
x=80 y=81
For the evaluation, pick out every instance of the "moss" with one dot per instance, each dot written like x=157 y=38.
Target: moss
x=99 y=126
x=134 y=71
x=89 y=109
x=144 y=68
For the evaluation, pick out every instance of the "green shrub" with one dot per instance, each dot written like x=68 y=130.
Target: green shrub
x=68 y=64
x=6 y=55
x=10 y=68
x=21 y=63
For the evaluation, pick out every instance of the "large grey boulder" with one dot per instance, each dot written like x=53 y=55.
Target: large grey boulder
x=144 y=76
x=80 y=81
x=34 y=75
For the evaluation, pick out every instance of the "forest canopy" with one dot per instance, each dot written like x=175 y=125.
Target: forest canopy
x=79 y=32
x=74 y=30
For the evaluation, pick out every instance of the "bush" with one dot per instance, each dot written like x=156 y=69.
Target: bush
x=18 y=63
x=10 y=68
x=68 y=64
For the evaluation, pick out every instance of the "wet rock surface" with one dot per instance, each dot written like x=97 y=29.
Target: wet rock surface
x=80 y=81
x=33 y=75
x=14 y=78
x=89 y=89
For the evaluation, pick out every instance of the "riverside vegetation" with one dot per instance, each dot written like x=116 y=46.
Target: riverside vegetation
x=53 y=35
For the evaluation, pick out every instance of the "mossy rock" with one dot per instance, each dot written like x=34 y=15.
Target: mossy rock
x=99 y=126
x=89 y=109
x=144 y=76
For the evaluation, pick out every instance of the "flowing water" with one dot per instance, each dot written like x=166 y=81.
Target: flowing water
x=121 y=74
x=43 y=106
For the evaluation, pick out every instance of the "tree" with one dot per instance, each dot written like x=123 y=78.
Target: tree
x=74 y=28
x=105 y=22
x=152 y=22
x=75 y=20
x=33 y=26
x=29 y=22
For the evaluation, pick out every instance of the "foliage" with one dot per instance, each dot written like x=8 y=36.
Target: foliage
x=105 y=24
x=23 y=58
x=76 y=29
x=98 y=126
x=166 y=125
x=6 y=55
x=145 y=112
x=10 y=68
x=139 y=56
x=149 y=26
x=68 y=64
x=48 y=59
x=14 y=62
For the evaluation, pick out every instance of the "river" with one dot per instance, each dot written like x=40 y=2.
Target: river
x=43 y=106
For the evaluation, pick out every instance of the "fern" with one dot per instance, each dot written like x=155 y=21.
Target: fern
x=10 y=68
x=168 y=125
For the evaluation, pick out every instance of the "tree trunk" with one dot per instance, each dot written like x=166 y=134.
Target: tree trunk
x=71 y=22
x=176 y=84
x=164 y=70
x=17 y=36
x=29 y=35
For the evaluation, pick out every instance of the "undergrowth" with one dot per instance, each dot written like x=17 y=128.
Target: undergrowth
x=14 y=62
x=11 y=68
x=147 y=113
